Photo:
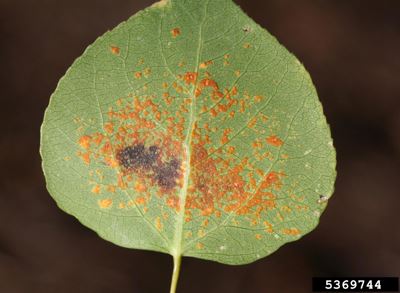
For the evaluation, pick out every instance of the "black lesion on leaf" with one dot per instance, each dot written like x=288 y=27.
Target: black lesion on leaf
x=168 y=174
x=138 y=157
x=147 y=161
x=247 y=29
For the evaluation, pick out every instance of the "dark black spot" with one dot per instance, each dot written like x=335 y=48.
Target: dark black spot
x=138 y=157
x=322 y=198
x=247 y=29
x=147 y=161
x=167 y=175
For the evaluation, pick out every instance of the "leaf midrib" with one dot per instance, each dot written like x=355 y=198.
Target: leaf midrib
x=176 y=249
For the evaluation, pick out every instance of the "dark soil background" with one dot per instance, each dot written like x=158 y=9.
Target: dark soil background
x=352 y=50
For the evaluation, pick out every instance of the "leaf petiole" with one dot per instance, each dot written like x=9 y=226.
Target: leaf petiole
x=175 y=273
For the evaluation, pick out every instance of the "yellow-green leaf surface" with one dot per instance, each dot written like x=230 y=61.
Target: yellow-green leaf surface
x=189 y=130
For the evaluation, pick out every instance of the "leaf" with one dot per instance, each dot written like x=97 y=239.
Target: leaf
x=190 y=130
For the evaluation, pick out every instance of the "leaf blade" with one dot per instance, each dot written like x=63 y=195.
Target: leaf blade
x=222 y=97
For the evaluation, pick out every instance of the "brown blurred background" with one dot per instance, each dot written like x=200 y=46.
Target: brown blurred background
x=352 y=50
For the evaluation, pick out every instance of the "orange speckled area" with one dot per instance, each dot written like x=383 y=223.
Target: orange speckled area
x=130 y=122
x=274 y=141
x=218 y=185
x=220 y=180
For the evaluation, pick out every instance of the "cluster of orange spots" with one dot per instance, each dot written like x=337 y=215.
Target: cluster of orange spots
x=115 y=50
x=176 y=32
x=138 y=75
x=258 y=236
x=105 y=203
x=218 y=183
x=291 y=231
x=206 y=64
x=274 y=141
x=224 y=99
x=210 y=188
x=129 y=122
x=190 y=77
x=259 y=201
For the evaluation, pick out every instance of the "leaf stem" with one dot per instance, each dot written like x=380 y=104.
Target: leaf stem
x=175 y=273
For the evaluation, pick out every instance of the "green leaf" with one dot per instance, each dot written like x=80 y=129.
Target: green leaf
x=190 y=130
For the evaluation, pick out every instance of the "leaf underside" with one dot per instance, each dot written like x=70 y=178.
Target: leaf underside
x=189 y=130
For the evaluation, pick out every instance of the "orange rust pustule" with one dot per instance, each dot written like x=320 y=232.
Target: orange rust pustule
x=176 y=32
x=147 y=161
x=190 y=77
x=274 y=141
x=115 y=50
